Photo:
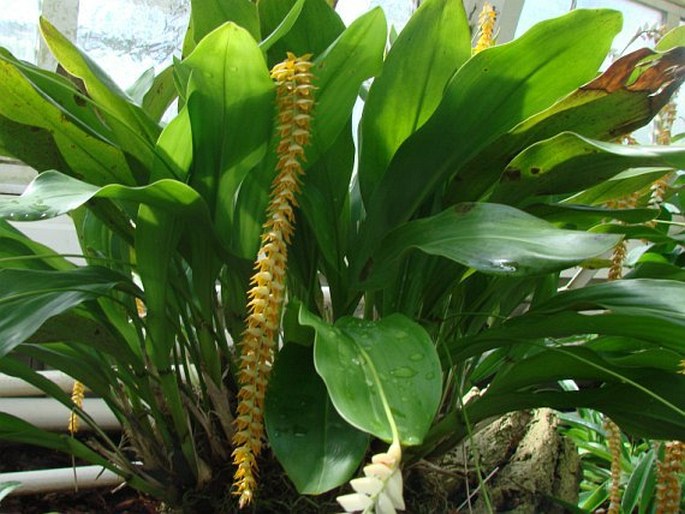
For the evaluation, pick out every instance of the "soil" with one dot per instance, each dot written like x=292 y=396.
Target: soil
x=102 y=501
x=531 y=463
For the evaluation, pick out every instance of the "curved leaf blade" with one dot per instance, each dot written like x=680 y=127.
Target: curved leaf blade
x=318 y=449
x=433 y=45
x=28 y=298
x=493 y=92
x=379 y=374
x=570 y=162
x=491 y=238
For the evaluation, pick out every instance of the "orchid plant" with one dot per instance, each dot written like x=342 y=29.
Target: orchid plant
x=395 y=271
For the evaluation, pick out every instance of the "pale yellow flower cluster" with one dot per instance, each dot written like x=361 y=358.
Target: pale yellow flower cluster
x=295 y=102
x=486 y=28
x=78 y=392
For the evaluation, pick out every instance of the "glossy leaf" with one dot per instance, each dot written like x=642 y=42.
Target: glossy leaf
x=28 y=298
x=492 y=238
x=379 y=373
x=52 y=193
x=568 y=163
x=493 y=92
x=433 y=45
x=318 y=449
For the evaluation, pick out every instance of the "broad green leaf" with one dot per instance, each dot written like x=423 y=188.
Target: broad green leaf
x=160 y=95
x=613 y=104
x=174 y=149
x=675 y=37
x=379 y=373
x=102 y=89
x=315 y=28
x=67 y=94
x=32 y=145
x=493 y=92
x=93 y=159
x=231 y=113
x=20 y=251
x=317 y=448
x=52 y=193
x=491 y=238
x=569 y=162
x=433 y=45
x=646 y=309
x=207 y=15
x=619 y=186
x=283 y=27
x=28 y=298
x=338 y=73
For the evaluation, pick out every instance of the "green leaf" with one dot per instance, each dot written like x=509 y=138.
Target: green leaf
x=569 y=162
x=32 y=145
x=615 y=103
x=491 y=238
x=207 y=15
x=316 y=27
x=52 y=194
x=490 y=94
x=433 y=45
x=382 y=375
x=339 y=72
x=160 y=95
x=619 y=186
x=283 y=27
x=19 y=251
x=28 y=298
x=97 y=161
x=634 y=489
x=318 y=449
x=645 y=309
x=100 y=87
x=231 y=112
x=585 y=217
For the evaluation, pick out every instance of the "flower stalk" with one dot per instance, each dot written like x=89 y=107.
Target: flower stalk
x=294 y=103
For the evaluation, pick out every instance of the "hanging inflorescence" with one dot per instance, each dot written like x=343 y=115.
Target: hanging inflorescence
x=486 y=28
x=295 y=102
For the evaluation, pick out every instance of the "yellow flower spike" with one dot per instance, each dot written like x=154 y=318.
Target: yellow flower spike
x=294 y=103
x=78 y=392
x=486 y=28
x=668 y=491
x=614 y=440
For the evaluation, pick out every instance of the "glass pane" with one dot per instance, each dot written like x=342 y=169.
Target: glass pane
x=128 y=37
x=19 y=27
